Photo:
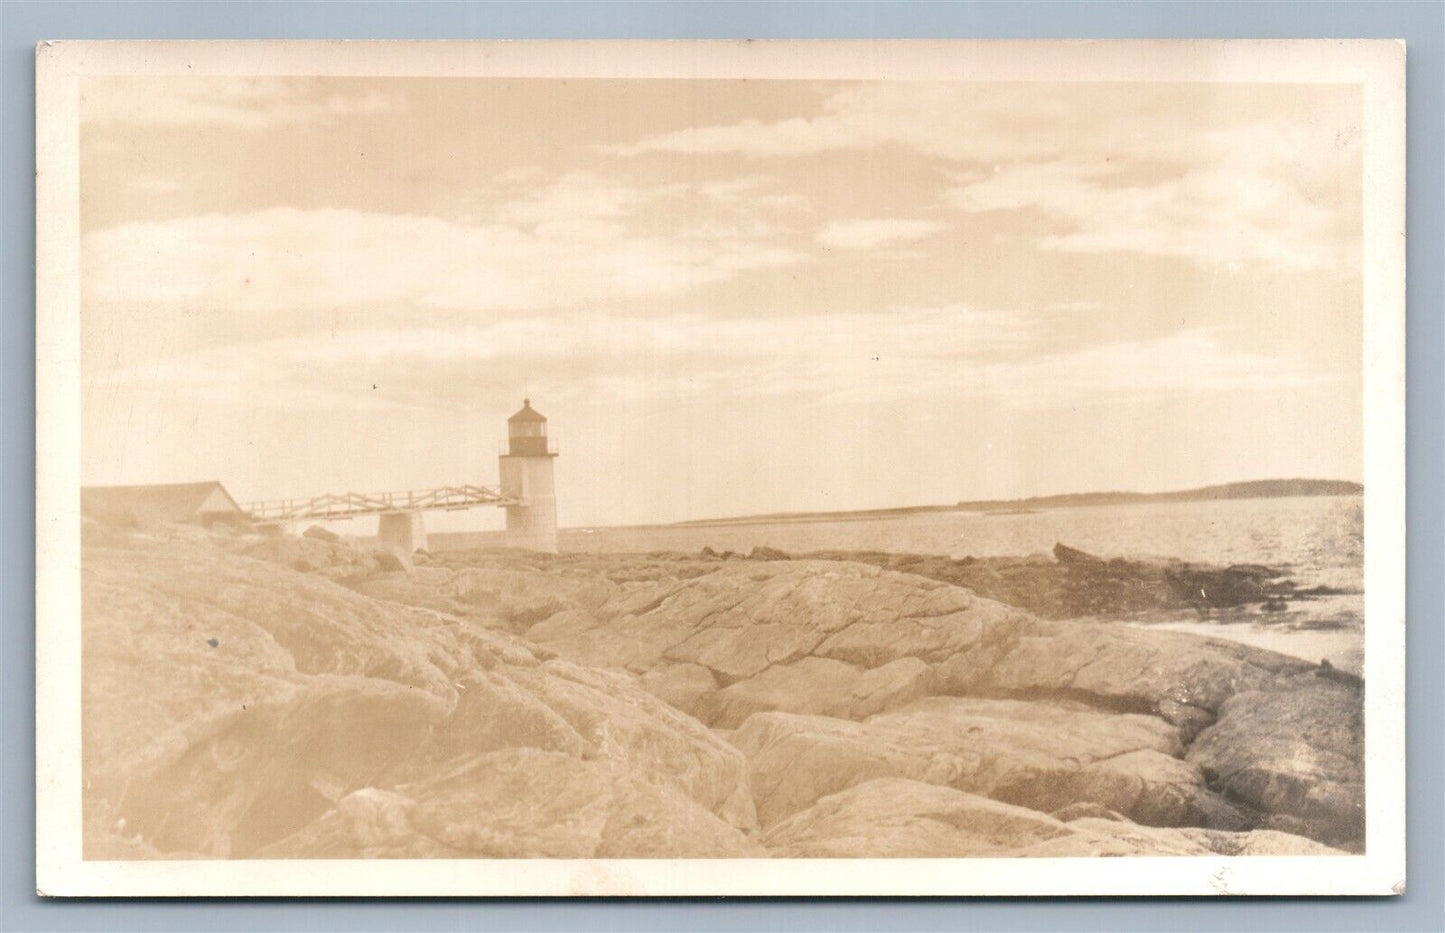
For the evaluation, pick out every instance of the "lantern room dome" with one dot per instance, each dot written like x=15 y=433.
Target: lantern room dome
x=528 y=413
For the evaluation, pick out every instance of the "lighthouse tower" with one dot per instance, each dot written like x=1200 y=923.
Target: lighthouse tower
x=526 y=474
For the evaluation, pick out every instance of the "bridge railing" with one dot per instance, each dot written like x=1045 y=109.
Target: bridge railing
x=348 y=504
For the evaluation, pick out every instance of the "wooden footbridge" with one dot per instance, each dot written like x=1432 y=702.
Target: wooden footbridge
x=352 y=504
x=400 y=524
x=526 y=491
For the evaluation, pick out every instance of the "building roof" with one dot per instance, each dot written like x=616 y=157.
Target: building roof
x=528 y=413
x=172 y=502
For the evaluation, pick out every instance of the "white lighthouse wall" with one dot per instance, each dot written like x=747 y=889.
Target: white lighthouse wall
x=532 y=525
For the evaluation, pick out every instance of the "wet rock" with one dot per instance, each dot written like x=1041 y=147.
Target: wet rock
x=767 y=553
x=1076 y=584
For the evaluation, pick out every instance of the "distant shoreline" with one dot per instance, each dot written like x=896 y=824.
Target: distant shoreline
x=1257 y=489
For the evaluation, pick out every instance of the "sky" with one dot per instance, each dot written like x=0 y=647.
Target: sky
x=727 y=296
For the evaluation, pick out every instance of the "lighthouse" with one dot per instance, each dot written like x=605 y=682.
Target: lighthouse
x=526 y=475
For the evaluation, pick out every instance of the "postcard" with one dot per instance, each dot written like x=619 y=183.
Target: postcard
x=720 y=468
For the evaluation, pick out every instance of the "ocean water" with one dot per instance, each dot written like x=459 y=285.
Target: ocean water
x=1316 y=540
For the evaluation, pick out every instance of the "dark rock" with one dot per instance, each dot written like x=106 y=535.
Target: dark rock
x=1067 y=555
x=767 y=553
x=1076 y=584
x=1085 y=810
x=316 y=532
x=1191 y=720
x=1253 y=571
x=390 y=561
x=1296 y=750
x=1329 y=672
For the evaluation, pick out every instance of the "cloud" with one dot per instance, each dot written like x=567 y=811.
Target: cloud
x=869 y=234
x=951 y=352
x=954 y=120
x=284 y=259
x=526 y=240
x=1141 y=370
x=595 y=355
x=1223 y=215
x=751 y=192
x=1197 y=173
x=584 y=195
x=243 y=103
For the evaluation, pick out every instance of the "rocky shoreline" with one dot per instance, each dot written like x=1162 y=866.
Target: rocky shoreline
x=1072 y=584
x=304 y=697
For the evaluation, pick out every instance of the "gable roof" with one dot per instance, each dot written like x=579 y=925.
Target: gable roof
x=172 y=502
x=528 y=413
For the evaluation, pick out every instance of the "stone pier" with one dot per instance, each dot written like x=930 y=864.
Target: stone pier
x=402 y=532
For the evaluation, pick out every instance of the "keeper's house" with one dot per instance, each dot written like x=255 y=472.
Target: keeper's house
x=190 y=503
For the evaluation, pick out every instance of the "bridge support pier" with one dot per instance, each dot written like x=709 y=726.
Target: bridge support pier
x=402 y=532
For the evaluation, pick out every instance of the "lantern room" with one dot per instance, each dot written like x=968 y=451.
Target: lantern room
x=527 y=433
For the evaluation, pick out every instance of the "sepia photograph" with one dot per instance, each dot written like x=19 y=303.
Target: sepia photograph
x=720 y=468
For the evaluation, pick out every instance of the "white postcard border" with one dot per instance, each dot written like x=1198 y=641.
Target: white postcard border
x=1377 y=65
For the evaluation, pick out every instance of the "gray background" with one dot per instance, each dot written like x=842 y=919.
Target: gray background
x=24 y=23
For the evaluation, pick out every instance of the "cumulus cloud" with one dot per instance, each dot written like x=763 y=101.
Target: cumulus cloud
x=584 y=195
x=240 y=102
x=283 y=259
x=532 y=241
x=1214 y=216
x=1129 y=167
x=871 y=233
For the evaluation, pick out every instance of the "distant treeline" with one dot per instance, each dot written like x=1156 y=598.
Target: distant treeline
x=1255 y=489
